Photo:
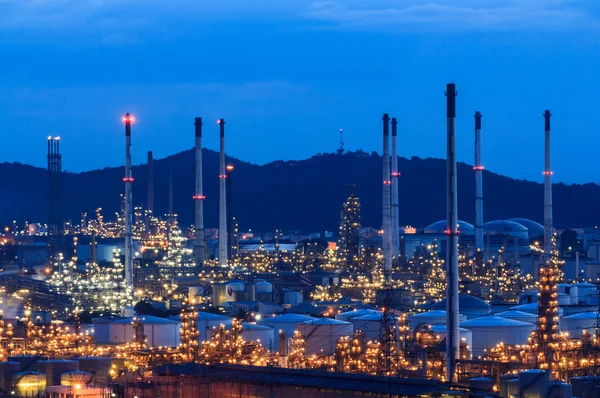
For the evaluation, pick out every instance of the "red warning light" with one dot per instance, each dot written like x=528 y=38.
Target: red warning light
x=128 y=119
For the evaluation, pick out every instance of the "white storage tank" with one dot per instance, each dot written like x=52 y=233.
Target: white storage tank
x=194 y=292
x=481 y=383
x=53 y=369
x=128 y=312
x=560 y=389
x=207 y=321
x=292 y=298
x=519 y=316
x=465 y=335
x=348 y=315
x=577 y=323
x=99 y=367
x=512 y=388
x=532 y=308
x=29 y=384
x=287 y=323
x=260 y=333
x=471 y=306
x=159 y=332
x=490 y=330
x=534 y=383
x=503 y=388
x=262 y=287
x=75 y=378
x=7 y=370
x=321 y=335
x=232 y=290
x=587 y=293
x=369 y=324
x=564 y=299
x=434 y=317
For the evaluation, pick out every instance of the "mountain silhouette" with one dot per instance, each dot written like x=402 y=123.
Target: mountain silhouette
x=301 y=195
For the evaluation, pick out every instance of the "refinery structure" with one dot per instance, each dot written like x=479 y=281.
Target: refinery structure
x=137 y=305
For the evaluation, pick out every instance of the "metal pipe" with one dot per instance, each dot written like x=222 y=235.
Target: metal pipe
x=547 y=187
x=395 y=209
x=478 y=167
x=222 y=200
x=387 y=201
x=128 y=180
x=452 y=336
x=199 y=246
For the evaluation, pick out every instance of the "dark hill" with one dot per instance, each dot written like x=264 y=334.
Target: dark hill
x=304 y=195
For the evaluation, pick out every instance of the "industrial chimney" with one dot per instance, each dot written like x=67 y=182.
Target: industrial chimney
x=222 y=200
x=395 y=210
x=478 y=167
x=199 y=198
x=128 y=180
x=387 y=201
x=452 y=336
x=547 y=187
x=150 y=182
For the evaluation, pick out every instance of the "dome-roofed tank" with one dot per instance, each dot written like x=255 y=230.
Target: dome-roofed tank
x=435 y=317
x=507 y=228
x=534 y=228
x=348 y=315
x=490 y=330
x=470 y=306
x=439 y=227
x=518 y=316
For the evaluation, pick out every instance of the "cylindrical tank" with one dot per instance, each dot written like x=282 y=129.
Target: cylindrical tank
x=29 y=384
x=263 y=287
x=512 y=388
x=348 y=315
x=369 y=324
x=207 y=321
x=321 y=335
x=128 y=312
x=465 y=336
x=534 y=383
x=261 y=333
x=434 y=317
x=481 y=383
x=488 y=331
x=194 y=291
x=561 y=390
x=292 y=298
x=54 y=368
x=219 y=294
x=286 y=323
x=577 y=324
x=564 y=299
x=233 y=288
x=519 y=316
x=7 y=370
x=504 y=379
x=76 y=378
x=587 y=293
x=25 y=361
x=99 y=367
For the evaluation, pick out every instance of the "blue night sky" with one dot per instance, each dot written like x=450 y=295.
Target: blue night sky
x=287 y=74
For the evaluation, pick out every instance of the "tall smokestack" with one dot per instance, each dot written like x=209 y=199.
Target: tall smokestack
x=230 y=218
x=387 y=201
x=199 y=198
x=128 y=180
x=452 y=336
x=547 y=187
x=478 y=167
x=222 y=200
x=150 y=182
x=395 y=210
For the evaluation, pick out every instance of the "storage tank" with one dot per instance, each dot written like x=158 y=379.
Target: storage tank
x=519 y=316
x=503 y=387
x=534 y=383
x=286 y=322
x=481 y=383
x=584 y=386
x=465 y=335
x=576 y=324
x=369 y=324
x=559 y=389
x=53 y=368
x=233 y=290
x=587 y=293
x=532 y=308
x=76 y=378
x=193 y=292
x=468 y=305
x=564 y=299
x=261 y=333
x=321 y=334
x=207 y=321
x=25 y=361
x=490 y=330
x=512 y=388
x=159 y=332
x=99 y=367
x=262 y=287
x=7 y=370
x=348 y=315
x=128 y=312
x=29 y=384
x=292 y=298
x=434 y=317
x=219 y=294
